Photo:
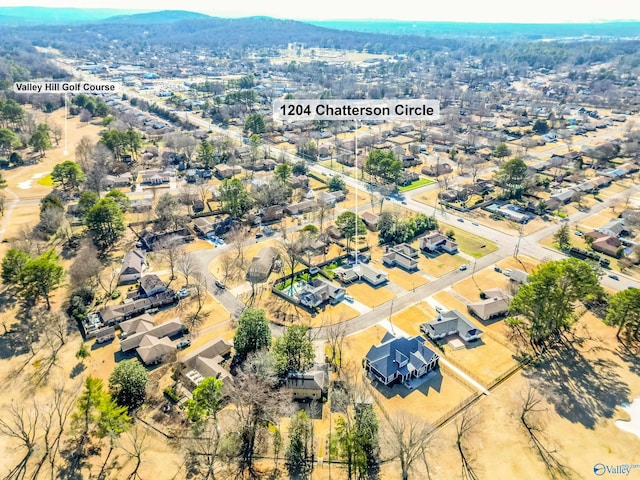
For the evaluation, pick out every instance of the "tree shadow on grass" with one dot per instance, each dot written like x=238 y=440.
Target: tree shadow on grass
x=630 y=354
x=582 y=390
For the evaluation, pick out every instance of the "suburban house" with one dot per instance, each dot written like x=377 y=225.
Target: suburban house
x=132 y=266
x=153 y=345
x=117 y=313
x=116 y=181
x=604 y=243
x=205 y=362
x=330 y=198
x=437 y=242
x=370 y=219
x=403 y=255
x=261 y=265
x=437 y=169
x=105 y=334
x=302 y=207
x=400 y=358
x=204 y=226
x=450 y=323
x=154 y=177
x=495 y=304
x=299 y=181
x=151 y=285
x=318 y=292
x=272 y=214
x=310 y=385
x=140 y=205
x=614 y=227
x=372 y=276
x=227 y=171
x=140 y=324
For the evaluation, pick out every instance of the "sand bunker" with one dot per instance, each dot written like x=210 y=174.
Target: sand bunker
x=633 y=425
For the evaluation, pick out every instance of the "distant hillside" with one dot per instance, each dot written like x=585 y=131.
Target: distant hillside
x=529 y=31
x=151 y=18
x=165 y=29
x=56 y=16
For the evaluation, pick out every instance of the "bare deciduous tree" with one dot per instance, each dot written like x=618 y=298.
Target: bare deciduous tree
x=464 y=427
x=85 y=269
x=530 y=406
x=20 y=424
x=407 y=439
x=171 y=252
x=187 y=266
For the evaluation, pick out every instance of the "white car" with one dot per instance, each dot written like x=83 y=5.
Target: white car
x=463 y=267
x=439 y=309
x=349 y=298
x=507 y=272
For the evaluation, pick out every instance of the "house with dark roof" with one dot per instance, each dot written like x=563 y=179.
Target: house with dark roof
x=309 y=385
x=132 y=266
x=451 y=323
x=151 y=285
x=494 y=305
x=206 y=361
x=261 y=265
x=403 y=255
x=437 y=242
x=400 y=359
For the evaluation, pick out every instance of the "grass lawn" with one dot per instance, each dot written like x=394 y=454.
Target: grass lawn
x=472 y=244
x=486 y=358
x=369 y=296
x=46 y=181
x=409 y=320
x=417 y=184
x=440 y=265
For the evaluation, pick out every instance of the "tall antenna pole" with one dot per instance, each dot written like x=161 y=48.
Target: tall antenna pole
x=356 y=190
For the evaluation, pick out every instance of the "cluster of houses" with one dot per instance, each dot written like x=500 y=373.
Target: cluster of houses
x=608 y=239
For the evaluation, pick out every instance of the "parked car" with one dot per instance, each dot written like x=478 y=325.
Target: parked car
x=439 y=309
x=463 y=267
x=461 y=220
x=475 y=224
x=578 y=233
x=497 y=269
x=613 y=276
x=507 y=272
x=349 y=298
x=183 y=344
x=183 y=293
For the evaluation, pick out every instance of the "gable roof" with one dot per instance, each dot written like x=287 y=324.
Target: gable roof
x=312 y=380
x=163 y=330
x=152 y=348
x=496 y=303
x=383 y=357
x=143 y=323
x=451 y=321
x=133 y=262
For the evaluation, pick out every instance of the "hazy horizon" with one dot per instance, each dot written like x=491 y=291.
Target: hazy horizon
x=489 y=11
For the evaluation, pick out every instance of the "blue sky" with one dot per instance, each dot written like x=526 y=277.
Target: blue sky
x=523 y=11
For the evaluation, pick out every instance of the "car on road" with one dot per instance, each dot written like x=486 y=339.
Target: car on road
x=475 y=224
x=349 y=298
x=259 y=235
x=183 y=344
x=461 y=220
x=403 y=202
x=220 y=285
x=462 y=267
x=613 y=276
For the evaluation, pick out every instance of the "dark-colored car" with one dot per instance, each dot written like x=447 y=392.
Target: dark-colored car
x=220 y=285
